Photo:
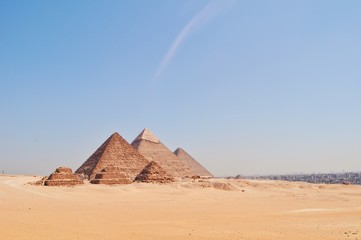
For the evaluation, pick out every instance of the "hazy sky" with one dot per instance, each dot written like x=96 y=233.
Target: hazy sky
x=249 y=87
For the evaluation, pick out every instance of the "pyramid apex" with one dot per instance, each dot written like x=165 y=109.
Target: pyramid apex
x=178 y=150
x=115 y=135
x=146 y=134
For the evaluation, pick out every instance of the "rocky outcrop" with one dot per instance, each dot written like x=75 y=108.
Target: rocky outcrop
x=63 y=176
x=153 y=173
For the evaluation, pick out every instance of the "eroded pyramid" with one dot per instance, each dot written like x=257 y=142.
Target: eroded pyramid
x=114 y=153
x=63 y=176
x=153 y=173
x=111 y=175
x=195 y=166
x=153 y=149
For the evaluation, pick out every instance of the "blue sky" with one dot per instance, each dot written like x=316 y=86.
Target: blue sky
x=249 y=87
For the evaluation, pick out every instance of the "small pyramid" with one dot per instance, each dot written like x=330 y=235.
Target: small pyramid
x=153 y=149
x=111 y=175
x=194 y=165
x=63 y=176
x=153 y=173
x=117 y=153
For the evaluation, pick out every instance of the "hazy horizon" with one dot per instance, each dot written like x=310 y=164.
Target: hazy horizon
x=245 y=87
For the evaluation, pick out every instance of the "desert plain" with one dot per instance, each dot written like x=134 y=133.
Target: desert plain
x=200 y=209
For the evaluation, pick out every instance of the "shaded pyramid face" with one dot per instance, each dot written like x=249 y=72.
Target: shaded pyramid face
x=152 y=149
x=154 y=173
x=195 y=166
x=116 y=153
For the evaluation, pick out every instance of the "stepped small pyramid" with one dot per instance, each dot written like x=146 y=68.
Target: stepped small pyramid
x=63 y=176
x=114 y=153
x=152 y=149
x=195 y=166
x=111 y=175
x=153 y=173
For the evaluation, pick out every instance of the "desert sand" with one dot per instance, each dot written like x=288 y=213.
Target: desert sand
x=189 y=210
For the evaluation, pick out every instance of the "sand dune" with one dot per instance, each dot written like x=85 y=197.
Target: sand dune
x=214 y=209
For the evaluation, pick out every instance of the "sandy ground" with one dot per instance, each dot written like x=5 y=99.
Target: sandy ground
x=252 y=210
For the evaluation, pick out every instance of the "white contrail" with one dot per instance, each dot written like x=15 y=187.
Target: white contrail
x=203 y=16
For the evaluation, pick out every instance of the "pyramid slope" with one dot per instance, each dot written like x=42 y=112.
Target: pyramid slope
x=154 y=173
x=159 y=153
x=194 y=165
x=114 y=152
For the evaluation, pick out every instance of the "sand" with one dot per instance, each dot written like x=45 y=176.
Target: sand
x=251 y=210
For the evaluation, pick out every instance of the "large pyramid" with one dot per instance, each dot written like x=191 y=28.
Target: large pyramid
x=115 y=153
x=153 y=150
x=195 y=166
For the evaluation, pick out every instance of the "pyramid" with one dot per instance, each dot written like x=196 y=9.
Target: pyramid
x=111 y=175
x=152 y=149
x=116 y=153
x=195 y=166
x=63 y=176
x=153 y=173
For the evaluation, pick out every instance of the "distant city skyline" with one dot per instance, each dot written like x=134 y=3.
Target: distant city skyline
x=245 y=87
x=328 y=178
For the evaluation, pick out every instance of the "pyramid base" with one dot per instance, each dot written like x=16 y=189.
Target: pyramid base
x=110 y=181
x=66 y=183
x=159 y=181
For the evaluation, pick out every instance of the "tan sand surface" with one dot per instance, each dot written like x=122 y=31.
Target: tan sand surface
x=191 y=210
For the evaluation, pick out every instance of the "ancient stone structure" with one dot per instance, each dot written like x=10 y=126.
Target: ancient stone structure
x=152 y=149
x=115 y=159
x=112 y=175
x=63 y=176
x=153 y=173
x=195 y=166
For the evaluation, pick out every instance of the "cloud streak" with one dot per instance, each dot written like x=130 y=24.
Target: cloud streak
x=208 y=12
